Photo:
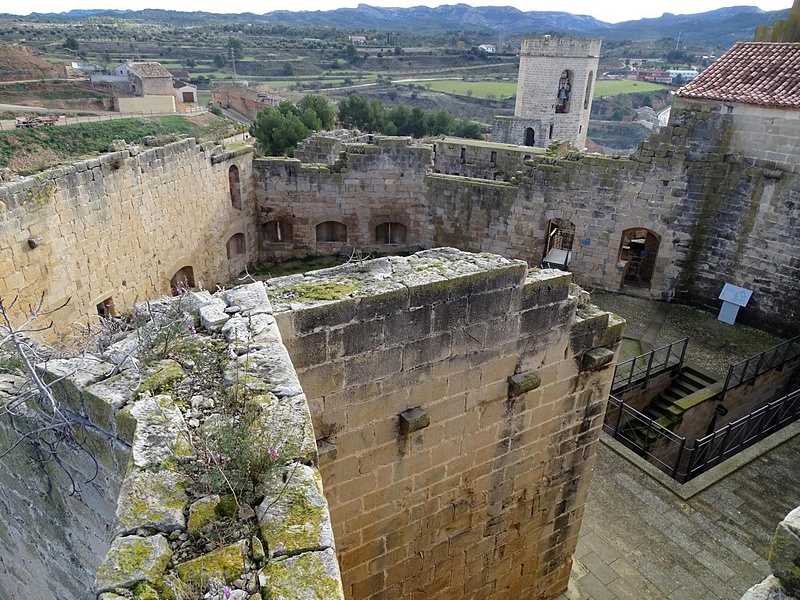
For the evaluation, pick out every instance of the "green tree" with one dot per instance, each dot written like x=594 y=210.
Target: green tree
x=278 y=132
x=350 y=53
x=288 y=69
x=319 y=110
x=219 y=61
x=238 y=48
x=441 y=122
x=356 y=112
x=191 y=63
x=468 y=129
x=71 y=44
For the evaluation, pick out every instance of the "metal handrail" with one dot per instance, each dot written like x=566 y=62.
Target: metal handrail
x=647 y=363
x=749 y=369
x=671 y=454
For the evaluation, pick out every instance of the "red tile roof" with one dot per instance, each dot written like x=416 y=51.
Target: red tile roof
x=752 y=73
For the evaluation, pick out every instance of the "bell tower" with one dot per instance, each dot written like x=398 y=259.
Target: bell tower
x=555 y=88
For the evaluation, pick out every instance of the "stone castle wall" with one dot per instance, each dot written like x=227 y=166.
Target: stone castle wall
x=121 y=225
x=718 y=216
x=460 y=398
x=52 y=541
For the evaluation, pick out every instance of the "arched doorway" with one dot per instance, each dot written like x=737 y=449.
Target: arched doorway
x=639 y=249
x=530 y=136
x=559 y=238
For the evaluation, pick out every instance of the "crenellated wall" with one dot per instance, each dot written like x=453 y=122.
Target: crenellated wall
x=460 y=397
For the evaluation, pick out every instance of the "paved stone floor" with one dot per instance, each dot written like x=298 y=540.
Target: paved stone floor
x=640 y=541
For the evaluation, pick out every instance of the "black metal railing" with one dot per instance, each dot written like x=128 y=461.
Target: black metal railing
x=644 y=436
x=750 y=368
x=669 y=452
x=734 y=437
x=639 y=368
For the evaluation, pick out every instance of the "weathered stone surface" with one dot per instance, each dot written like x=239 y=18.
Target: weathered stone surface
x=74 y=374
x=597 y=358
x=413 y=420
x=225 y=563
x=162 y=376
x=784 y=554
x=250 y=298
x=236 y=330
x=133 y=559
x=153 y=501
x=296 y=519
x=769 y=589
x=202 y=512
x=309 y=576
x=160 y=432
x=213 y=315
x=523 y=382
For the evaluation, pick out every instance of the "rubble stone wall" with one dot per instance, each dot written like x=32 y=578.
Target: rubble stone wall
x=460 y=398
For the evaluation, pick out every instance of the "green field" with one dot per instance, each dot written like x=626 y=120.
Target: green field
x=625 y=86
x=506 y=89
x=479 y=89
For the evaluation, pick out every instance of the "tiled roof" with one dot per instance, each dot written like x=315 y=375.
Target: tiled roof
x=752 y=73
x=150 y=69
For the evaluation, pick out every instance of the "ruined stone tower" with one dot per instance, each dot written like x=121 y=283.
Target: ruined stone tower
x=554 y=92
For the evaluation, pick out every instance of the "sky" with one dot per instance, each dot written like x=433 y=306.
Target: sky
x=612 y=11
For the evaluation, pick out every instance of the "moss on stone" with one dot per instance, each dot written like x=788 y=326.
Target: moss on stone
x=226 y=563
x=202 y=512
x=144 y=591
x=309 y=292
x=167 y=372
x=309 y=575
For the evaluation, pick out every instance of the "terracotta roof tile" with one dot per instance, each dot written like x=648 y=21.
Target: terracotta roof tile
x=752 y=73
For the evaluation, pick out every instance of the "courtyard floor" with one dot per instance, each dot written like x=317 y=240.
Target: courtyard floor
x=641 y=540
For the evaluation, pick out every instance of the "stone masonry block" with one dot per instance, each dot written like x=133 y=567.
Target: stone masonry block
x=408 y=326
x=597 y=359
x=784 y=554
x=413 y=420
x=523 y=382
x=363 y=337
x=490 y=305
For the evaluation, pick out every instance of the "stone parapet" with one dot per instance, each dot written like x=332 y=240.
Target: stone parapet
x=460 y=416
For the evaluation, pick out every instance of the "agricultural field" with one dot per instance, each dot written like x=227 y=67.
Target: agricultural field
x=624 y=86
x=492 y=90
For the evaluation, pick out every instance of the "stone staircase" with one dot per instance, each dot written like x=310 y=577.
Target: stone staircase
x=639 y=436
x=688 y=382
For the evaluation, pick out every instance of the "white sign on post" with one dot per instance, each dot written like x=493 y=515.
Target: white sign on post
x=732 y=297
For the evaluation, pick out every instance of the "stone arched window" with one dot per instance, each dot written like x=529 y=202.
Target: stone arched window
x=332 y=231
x=564 y=92
x=236 y=188
x=589 y=83
x=236 y=246
x=276 y=232
x=558 y=243
x=638 y=248
x=530 y=136
x=390 y=233
x=182 y=280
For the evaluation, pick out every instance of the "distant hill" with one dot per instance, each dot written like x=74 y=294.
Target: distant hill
x=717 y=27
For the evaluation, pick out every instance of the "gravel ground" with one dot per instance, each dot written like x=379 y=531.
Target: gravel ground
x=713 y=345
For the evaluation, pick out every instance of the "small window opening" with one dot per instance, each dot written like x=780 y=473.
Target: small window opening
x=390 y=233
x=106 y=309
x=277 y=231
x=236 y=245
x=588 y=95
x=564 y=92
x=331 y=231
x=550 y=136
x=182 y=280
x=236 y=192
x=530 y=136
x=463 y=154
x=493 y=157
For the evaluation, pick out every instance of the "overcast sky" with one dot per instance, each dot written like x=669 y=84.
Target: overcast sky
x=605 y=10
